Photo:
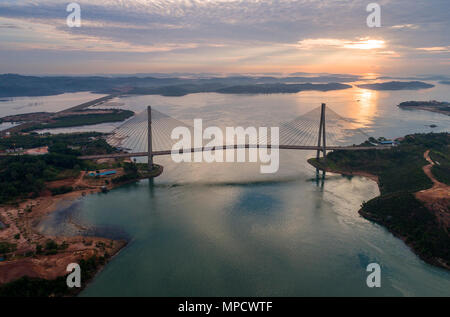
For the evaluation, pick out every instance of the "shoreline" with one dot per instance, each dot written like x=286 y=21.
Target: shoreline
x=425 y=108
x=18 y=220
x=433 y=261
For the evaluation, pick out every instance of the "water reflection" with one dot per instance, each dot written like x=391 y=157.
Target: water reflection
x=365 y=109
x=320 y=178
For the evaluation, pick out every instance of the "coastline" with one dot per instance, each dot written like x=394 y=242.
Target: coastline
x=432 y=261
x=430 y=109
x=23 y=218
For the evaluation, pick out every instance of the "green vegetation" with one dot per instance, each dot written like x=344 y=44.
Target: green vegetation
x=400 y=175
x=86 y=142
x=37 y=287
x=6 y=247
x=399 y=169
x=24 y=176
x=442 y=173
x=81 y=119
x=131 y=173
x=51 y=245
x=406 y=217
x=441 y=169
x=61 y=190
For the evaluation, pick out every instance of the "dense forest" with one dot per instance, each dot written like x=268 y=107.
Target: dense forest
x=25 y=175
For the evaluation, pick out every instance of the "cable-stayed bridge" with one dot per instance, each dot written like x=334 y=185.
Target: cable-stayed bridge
x=149 y=134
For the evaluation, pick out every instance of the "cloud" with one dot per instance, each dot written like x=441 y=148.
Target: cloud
x=325 y=43
x=436 y=49
x=223 y=33
x=405 y=26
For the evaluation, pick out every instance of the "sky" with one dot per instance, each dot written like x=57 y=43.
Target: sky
x=225 y=36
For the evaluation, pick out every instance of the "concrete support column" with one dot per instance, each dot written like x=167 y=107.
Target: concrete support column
x=321 y=141
x=149 y=138
x=323 y=131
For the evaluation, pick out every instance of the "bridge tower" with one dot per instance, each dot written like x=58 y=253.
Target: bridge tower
x=149 y=138
x=322 y=140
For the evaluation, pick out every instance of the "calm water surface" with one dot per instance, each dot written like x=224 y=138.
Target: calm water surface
x=225 y=229
x=18 y=105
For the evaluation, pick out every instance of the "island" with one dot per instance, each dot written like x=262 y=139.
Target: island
x=276 y=88
x=397 y=85
x=33 y=186
x=281 y=88
x=433 y=106
x=414 y=183
x=13 y=85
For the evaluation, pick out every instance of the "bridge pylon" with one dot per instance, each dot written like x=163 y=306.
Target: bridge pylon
x=322 y=139
x=149 y=139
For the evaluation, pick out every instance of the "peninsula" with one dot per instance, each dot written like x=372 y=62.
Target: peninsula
x=433 y=106
x=397 y=85
x=414 y=183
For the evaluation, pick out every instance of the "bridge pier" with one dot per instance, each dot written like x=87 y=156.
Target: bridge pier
x=149 y=139
x=322 y=140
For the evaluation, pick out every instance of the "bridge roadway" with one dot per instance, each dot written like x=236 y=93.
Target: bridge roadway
x=229 y=147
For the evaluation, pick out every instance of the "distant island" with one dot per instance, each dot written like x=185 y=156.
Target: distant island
x=445 y=82
x=12 y=85
x=237 y=89
x=414 y=183
x=397 y=85
x=281 y=88
x=433 y=106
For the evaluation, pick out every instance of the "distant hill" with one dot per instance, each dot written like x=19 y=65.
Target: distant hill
x=281 y=88
x=397 y=85
x=12 y=85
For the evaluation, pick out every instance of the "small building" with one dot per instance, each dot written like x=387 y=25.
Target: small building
x=104 y=173
x=388 y=142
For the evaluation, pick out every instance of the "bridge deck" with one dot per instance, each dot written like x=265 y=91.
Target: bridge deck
x=230 y=147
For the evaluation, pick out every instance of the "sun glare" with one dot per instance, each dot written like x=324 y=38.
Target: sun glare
x=365 y=44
